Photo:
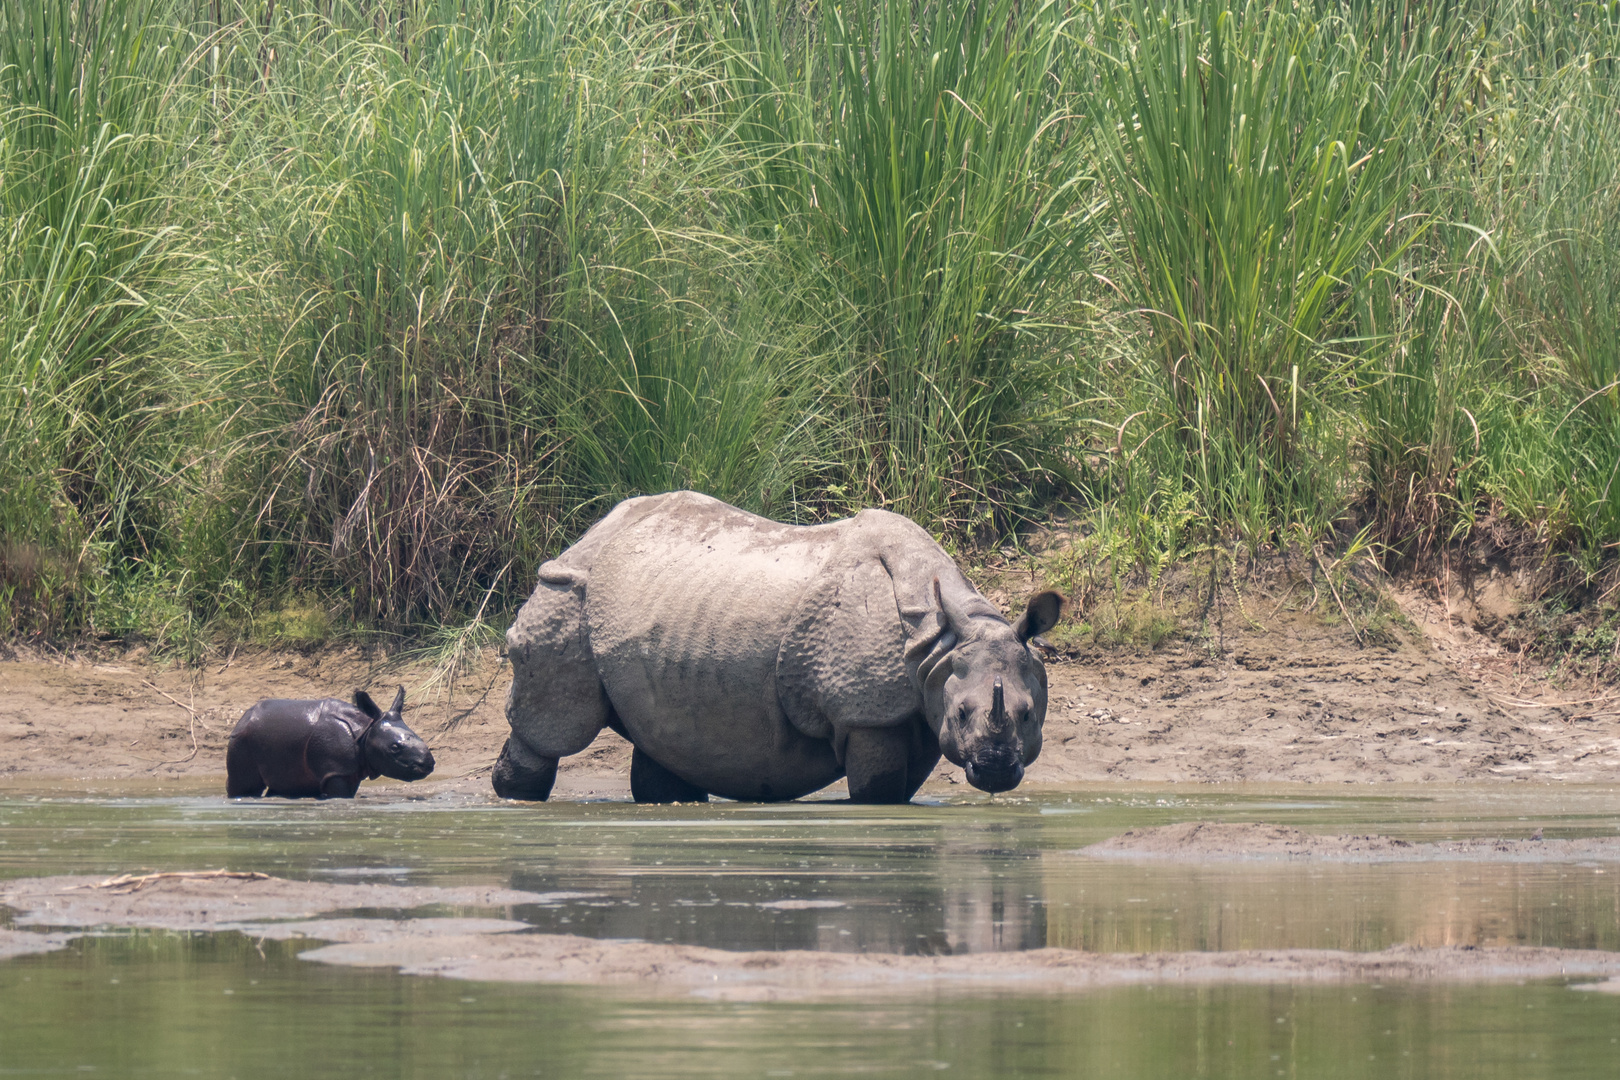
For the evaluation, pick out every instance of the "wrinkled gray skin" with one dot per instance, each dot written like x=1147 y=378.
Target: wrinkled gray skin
x=762 y=661
x=321 y=749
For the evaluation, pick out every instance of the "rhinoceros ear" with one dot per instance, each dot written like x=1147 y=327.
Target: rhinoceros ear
x=367 y=706
x=1040 y=615
x=399 y=701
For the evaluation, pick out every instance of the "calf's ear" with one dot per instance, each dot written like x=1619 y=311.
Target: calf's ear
x=399 y=701
x=1040 y=615
x=367 y=706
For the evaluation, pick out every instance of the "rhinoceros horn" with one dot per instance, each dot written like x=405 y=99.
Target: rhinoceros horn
x=998 y=708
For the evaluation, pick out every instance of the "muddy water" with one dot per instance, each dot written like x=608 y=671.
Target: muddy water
x=964 y=875
x=971 y=876
x=211 y=1005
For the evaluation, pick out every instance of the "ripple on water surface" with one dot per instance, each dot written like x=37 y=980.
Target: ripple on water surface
x=159 y=1004
x=963 y=876
x=968 y=876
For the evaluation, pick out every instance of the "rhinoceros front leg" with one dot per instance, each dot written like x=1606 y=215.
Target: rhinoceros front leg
x=875 y=762
x=556 y=704
x=520 y=773
x=888 y=765
x=650 y=782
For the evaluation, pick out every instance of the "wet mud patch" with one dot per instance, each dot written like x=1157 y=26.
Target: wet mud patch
x=797 y=975
x=480 y=947
x=1210 y=841
x=229 y=904
x=25 y=943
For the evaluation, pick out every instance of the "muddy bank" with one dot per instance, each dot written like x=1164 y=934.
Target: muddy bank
x=204 y=903
x=774 y=976
x=1207 y=841
x=23 y=943
x=122 y=716
x=1288 y=697
x=468 y=946
x=1295 y=699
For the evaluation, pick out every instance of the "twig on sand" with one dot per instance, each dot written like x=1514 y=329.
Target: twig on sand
x=129 y=883
x=1343 y=610
x=1525 y=703
x=455 y=721
x=192 y=709
x=170 y=696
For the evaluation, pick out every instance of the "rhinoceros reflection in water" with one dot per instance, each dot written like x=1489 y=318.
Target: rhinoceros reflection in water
x=762 y=661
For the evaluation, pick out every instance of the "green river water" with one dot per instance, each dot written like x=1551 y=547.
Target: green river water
x=957 y=876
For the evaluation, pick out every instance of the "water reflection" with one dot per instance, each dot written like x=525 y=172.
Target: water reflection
x=990 y=902
x=1358 y=907
x=946 y=890
x=158 y=1004
x=969 y=877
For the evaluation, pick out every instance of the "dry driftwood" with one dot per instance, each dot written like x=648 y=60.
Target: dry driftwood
x=129 y=883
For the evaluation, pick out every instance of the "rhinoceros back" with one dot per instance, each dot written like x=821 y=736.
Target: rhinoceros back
x=686 y=611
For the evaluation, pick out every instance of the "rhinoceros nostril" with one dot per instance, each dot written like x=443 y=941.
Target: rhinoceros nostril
x=995 y=775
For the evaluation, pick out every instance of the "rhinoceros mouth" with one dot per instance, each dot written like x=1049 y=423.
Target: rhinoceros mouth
x=419 y=768
x=994 y=777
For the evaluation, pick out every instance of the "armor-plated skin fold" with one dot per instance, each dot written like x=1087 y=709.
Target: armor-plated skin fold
x=321 y=748
x=762 y=661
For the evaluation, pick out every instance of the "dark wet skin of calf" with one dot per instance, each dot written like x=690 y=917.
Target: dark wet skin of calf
x=321 y=748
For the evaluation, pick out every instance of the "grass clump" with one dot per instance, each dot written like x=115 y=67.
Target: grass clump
x=1254 y=159
x=920 y=166
x=90 y=426
x=371 y=308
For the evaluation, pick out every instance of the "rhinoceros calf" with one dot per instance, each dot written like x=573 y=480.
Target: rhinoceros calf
x=321 y=748
x=761 y=661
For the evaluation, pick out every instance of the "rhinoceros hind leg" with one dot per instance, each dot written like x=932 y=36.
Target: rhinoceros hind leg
x=339 y=787
x=238 y=786
x=242 y=776
x=650 y=782
x=520 y=773
x=875 y=759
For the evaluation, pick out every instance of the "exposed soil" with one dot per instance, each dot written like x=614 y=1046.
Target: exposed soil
x=1288 y=697
x=123 y=716
x=490 y=949
x=227 y=904
x=1207 y=841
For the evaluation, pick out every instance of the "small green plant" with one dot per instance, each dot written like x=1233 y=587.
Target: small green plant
x=302 y=621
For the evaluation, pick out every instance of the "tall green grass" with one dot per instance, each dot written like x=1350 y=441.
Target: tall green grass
x=922 y=164
x=347 y=315
x=86 y=251
x=1254 y=158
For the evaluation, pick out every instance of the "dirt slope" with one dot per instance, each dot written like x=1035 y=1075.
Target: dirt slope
x=1289 y=698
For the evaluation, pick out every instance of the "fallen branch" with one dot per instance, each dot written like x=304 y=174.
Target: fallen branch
x=170 y=696
x=455 y=721
x=1342 y=609
x=192 y=709
x=1526 y=703
x=130 y=883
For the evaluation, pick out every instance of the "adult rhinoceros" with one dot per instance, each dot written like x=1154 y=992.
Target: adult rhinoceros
x=761 y=661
